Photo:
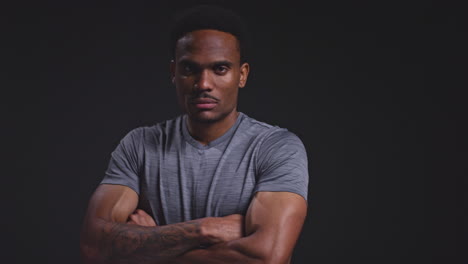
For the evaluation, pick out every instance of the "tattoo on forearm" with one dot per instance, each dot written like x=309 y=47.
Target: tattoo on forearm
x=137 y=244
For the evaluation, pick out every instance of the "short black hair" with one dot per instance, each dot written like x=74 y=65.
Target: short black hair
x=209 y=17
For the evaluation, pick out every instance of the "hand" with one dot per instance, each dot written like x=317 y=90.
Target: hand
x=222 y=229
x=140 y=217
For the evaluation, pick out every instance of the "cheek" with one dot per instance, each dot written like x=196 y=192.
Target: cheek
x=231 y=95
x=182 y=93
x=183 y=86
x=231 y=85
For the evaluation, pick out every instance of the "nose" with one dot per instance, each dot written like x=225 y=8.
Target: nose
x=204 y=81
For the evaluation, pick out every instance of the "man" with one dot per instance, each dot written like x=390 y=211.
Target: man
x=210 y=186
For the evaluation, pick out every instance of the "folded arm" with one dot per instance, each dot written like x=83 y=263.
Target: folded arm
x=273 y=224
x=107 y=236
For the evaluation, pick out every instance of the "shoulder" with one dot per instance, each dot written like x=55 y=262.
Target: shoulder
x=254 y=124
x=281 y=144
x=153 y=132
x=272 y=135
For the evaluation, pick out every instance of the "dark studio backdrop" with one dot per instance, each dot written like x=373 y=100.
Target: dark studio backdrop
x=374 y=89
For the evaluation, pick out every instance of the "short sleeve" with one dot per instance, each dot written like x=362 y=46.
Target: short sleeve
x=125 y=161
x=282 y=164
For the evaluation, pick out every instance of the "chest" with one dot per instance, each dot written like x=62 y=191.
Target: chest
x=189 y=183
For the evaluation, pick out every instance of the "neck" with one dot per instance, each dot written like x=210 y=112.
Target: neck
x=207 y=132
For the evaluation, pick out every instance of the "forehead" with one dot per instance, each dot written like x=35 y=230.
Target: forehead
x=208 y=44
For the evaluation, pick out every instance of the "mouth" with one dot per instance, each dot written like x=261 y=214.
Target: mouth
x=204 y=103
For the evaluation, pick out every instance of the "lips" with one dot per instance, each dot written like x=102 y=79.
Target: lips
x=204 y=103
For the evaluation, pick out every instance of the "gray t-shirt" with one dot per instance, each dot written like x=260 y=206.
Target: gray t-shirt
x=179 y=179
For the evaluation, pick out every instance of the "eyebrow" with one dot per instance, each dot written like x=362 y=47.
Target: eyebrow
x=215 y=63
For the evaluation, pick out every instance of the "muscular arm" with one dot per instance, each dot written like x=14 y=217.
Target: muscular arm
x=273 y=223
x=107 y=238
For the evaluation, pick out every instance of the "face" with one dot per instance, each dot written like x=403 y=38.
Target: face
x=207 y=74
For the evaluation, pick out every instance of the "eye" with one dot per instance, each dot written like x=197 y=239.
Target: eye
x=221 y=69
x=187 y=69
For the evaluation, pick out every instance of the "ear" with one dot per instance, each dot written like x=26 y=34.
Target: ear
x=172 y=70
x=244 y=73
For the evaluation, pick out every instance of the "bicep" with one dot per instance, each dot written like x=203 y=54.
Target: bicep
x=275 y=219
x=112 y=203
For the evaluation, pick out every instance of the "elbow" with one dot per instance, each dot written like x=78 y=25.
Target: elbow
x=278 y=256
x=90 y=249
x=272 y=254
x=273 y=258
x=267 y=260
x=263 y=254
x=89 y=254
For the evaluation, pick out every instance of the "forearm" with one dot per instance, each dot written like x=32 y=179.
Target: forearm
x=113 y=242
x=245 y=250
x=219 y=253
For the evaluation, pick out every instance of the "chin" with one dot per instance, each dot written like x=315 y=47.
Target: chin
x=207 y=117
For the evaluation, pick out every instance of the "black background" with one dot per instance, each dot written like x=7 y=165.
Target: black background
x=376 y=91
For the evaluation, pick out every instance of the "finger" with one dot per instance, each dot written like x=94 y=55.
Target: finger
x=141 y=212
x=145 y=218
x=131 y=222
x=136 y=219
x=141 y=218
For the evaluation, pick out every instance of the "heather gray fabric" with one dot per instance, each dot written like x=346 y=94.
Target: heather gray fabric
x=178 y=179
